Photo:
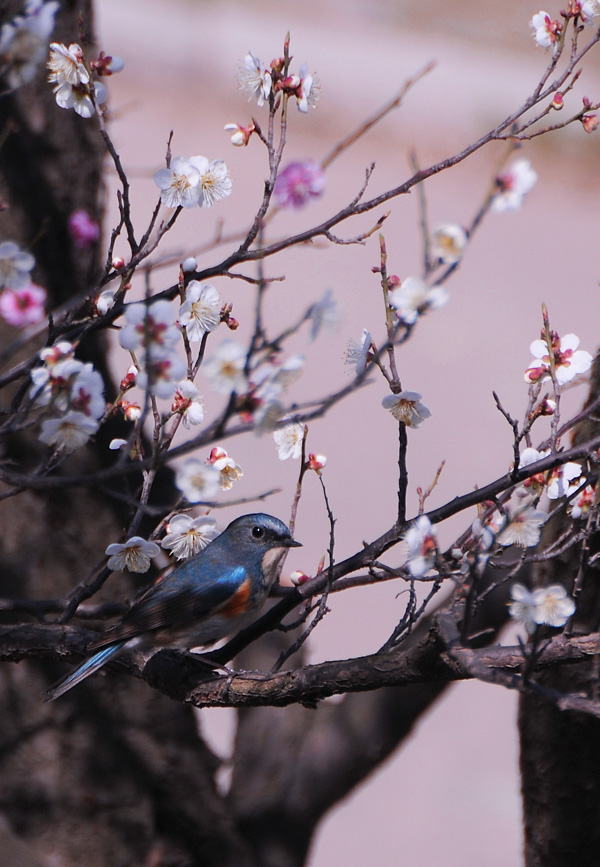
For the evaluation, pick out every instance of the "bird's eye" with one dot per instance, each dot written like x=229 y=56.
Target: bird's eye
x=257 y=532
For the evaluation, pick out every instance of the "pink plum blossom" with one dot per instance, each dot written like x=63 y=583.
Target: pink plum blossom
x=22 y=307
x=298 y=183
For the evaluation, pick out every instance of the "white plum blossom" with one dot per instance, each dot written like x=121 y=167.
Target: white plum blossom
x=413 y=298
x=308 y=89
x=15 y=266
x=150 y=326
x=583 y=502
x=66 y=65
x=68 y=432
x=357 y=353
x=105 y=301
x=407 y=408
x=178 y=184
x=549 y=606
x=448 y=243
x=186 y=536
x=586 y=9
x=546 y=31
x=87 y=392
x=569 y=361
x=136 y=555
x=558 y=482
x=225 y=369
x=323 y=314
x=80 y=99
x=189 y=403
x=161 y=373
x=289 y=440
x=201 y=310
x=422 y=547
x=513 y=186
x=214 y=183
x=229 y=471
x=524 y=527
x=24 y=41
x=255 y=79
x=563 y=481
x=197 y=481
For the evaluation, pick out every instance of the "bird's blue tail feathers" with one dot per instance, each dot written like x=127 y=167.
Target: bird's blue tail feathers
x=84 y=670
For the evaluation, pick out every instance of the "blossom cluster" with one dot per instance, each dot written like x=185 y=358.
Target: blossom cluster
x=547 y=606
x=260 y=82
x=22 y=302
x=72 y=79
x=185 y=537
x=71 y=394
x=186 y=183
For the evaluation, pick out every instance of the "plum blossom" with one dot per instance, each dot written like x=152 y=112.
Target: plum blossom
x=584 y=9
x=422 y=547
x=546 y=30
x=24 y=41
x=255 y=79
x=201 y=310
x=15 y=266
x=68 y=432
x=298 y=183
x=186 y=536
x=357 y=354
x=513 y=186
x=214 y=183
x=558 y=482
x=568 y=361
x=563 y=481
x=80 y=98
x=22 y=307
x=161 y=373
x=240 y=135
x=523 y=528
x=105 y=301
x=229 y=471
x=448 y=243
x=83 y=230
x=66 y=65
x=288 y=440
x=197 y=481
x=323 y=314
x=178 y=184
x=407 y=408
x=413 y=298
x=549 y=606
x=225 y=369
x=136 y=555
x=150 y=326
x=583 y=502
x=308 y=89
x=87 y=392
x=188 y=403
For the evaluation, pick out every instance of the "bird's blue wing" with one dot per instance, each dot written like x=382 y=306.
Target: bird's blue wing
x=195 y=589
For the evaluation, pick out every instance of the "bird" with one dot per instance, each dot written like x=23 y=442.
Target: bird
x=209 y=596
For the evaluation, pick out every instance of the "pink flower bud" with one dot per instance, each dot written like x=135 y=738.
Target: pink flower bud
x=316 y=462
x=299 y=577
x=118 y=262
x=558 y=101
x=590 y=122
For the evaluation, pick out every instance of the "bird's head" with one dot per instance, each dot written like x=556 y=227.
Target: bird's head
x=260 y=532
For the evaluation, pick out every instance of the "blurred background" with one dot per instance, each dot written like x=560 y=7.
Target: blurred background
x=451 y=795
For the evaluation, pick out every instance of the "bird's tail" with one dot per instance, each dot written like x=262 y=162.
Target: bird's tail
x=84 y=670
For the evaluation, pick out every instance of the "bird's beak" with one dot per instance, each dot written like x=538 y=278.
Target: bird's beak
x=291 y=543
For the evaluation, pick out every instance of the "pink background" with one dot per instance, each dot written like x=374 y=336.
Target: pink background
x=452 y=793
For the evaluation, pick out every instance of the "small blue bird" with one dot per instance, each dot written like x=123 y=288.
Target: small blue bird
x=211 y=595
